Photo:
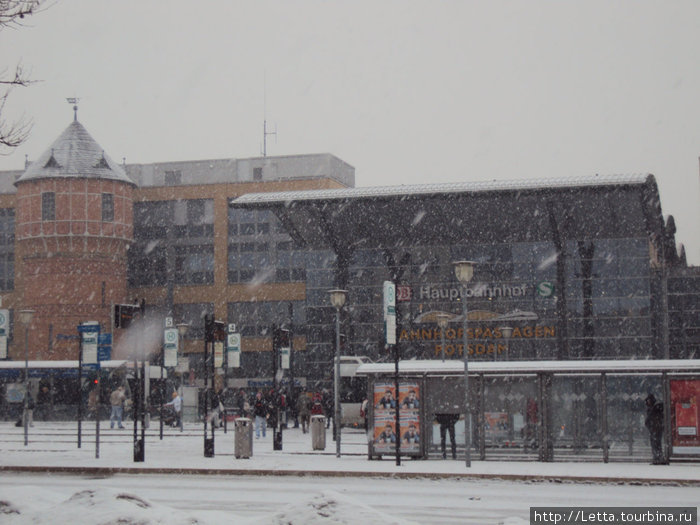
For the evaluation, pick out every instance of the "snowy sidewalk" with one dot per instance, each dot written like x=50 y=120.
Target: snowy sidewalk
x=53 y=447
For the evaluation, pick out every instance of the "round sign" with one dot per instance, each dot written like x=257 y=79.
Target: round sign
x=171 y=336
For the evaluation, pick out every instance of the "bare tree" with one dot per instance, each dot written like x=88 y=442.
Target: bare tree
x=14 y=133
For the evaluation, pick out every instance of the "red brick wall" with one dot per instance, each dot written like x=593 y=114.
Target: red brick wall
x=72 y=269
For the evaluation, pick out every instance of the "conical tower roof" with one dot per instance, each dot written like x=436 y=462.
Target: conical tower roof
x=75 y=154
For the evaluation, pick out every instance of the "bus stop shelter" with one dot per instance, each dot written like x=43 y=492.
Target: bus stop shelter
x=536 y=410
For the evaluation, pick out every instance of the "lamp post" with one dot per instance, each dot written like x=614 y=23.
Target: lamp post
x=442 y=319
x=337 y=300
x=464 y=270
x=506 y=332
x=181 y=331
x=25 y=319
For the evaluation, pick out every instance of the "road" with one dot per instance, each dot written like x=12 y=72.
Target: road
x=420 y=500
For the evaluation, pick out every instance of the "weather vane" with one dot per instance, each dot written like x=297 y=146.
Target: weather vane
x=74 y=101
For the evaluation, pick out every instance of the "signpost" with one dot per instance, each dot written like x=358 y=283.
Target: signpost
x=233 y=347
x=171 y=342
x=89 y=355
x=390 y=335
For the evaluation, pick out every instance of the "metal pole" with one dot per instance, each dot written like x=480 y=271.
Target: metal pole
x=336 y=384
x=604 y=415
x=80 y=389
x=396 y=398
x=136 y=403
x=205 y=412
x=143 y=403
x=162 y=386
x=26 y=385
x=467 y=410
x=97 y=416
x=442 y=342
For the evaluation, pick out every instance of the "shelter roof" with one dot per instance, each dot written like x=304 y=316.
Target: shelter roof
x=456 y=367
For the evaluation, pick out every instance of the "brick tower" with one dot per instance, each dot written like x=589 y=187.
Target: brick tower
x=74 y=224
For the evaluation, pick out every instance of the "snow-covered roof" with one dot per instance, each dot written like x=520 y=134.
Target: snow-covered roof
x=440 y=189
x=456 y=367
x=75 y=154
x=73 y=364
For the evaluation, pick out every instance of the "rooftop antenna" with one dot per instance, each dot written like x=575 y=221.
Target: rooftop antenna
x=265 y=132
x=74 y=101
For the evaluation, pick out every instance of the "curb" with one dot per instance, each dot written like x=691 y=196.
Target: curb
x=110 y=471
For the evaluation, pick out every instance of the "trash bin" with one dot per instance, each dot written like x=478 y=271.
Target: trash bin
x=243 y=440
x=318 y=432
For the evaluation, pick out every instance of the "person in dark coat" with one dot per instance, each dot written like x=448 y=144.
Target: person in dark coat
x=654 y=422
x=447 y=424
x=260 y=414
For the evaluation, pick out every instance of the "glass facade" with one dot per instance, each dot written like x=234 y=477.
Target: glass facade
x=605 y=293
x=260 y=251
x=254 y=321
x=172 y=238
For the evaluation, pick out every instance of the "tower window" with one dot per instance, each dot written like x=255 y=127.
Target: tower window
x=48 y=206
x=107 y=207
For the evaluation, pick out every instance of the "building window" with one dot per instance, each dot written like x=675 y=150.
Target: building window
x=173 y=177
x=257 y=173
x=48 y=206
x=107 y=207
x=173 y=242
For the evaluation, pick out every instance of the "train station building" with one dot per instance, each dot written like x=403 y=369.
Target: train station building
x=566 y=269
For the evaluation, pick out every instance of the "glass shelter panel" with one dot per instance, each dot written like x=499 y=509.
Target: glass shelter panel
x=576 y=417
x=628 y=439
x=510 y=417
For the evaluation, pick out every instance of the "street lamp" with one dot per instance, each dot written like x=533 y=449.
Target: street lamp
x=464 y=270
x=337 y=300
x=506 y=332
x=442 y=319
x=25 y=319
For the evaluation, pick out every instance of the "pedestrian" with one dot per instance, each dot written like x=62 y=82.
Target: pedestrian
x=28 y=414
x=43 y=400
x=654 y=422
x=447 y=424
x=242 y=404
x=117 y=399
x=364 y=407
x=304 y=411
x=328 y=403
x=176 y=405
x=217 y=408
x=93 y=403
x=260 y=414
x=272 y=410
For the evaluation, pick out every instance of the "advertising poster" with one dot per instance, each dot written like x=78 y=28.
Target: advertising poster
x=685 y=416
x=385 y=401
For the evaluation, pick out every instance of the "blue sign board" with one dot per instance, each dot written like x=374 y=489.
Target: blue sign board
x=104 y=347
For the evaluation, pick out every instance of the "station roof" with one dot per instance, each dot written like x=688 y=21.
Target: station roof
x=616 y=206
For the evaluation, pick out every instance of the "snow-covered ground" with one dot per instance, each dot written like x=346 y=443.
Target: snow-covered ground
x=310 y=486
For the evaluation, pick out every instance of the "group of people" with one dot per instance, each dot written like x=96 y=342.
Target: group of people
x=265 y=407
x=118 y=400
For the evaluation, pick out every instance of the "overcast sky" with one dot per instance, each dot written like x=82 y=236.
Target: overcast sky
x=406 y=91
